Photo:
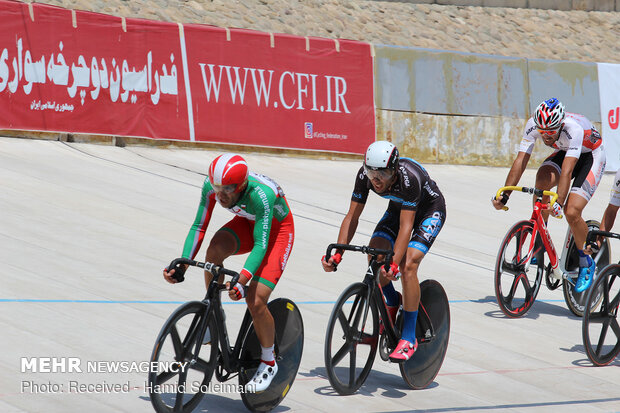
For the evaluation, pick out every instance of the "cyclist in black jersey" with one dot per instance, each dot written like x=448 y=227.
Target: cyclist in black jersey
x=415 y=215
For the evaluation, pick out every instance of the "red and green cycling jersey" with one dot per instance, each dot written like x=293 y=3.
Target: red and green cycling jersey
x=262 y=201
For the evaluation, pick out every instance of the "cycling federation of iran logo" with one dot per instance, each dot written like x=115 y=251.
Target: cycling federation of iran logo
x=308 y=130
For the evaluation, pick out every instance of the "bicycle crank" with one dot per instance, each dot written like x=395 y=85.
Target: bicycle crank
x=384 y=350
x=221 y=374
x=552 y=282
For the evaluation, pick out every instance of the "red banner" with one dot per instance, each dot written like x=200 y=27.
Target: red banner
x=83 y=72
x=280 y=90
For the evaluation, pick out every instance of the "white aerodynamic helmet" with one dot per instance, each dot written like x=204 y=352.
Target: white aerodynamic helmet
x=381 y=155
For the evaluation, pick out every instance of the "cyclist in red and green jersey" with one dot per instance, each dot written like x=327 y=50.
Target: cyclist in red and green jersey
x=263 y=227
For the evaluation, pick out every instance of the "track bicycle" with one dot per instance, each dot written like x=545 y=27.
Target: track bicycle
x=600 y=329
x=520 y=264
x=193 y=345
x=352 y=337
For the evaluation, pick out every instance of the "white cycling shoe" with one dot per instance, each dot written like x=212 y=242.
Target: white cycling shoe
x=262 y=378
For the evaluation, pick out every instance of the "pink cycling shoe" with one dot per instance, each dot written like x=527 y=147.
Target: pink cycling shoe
x=403 y=351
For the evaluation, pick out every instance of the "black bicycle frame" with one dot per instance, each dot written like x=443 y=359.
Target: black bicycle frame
x=371 y=279
x=374 y=291
x=229 y=355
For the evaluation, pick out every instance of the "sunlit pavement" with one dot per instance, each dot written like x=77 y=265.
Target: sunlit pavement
x=85 y=231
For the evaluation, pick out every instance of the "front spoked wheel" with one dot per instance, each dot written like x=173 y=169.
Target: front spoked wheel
x=184 y=365
x=575 y=301
x=517 y=278
x=351 y=340
x=600 y=329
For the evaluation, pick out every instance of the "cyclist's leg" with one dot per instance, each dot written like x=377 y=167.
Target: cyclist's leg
x=392 y=297
x=548 y=176
x=426 y=228
x=587 y=176
x=574 y=207
x=573 y=210
x=264 y=281
x=232 y=238
x=281 y=241
x=257 y=298
x=411 y=284
x=383 y=237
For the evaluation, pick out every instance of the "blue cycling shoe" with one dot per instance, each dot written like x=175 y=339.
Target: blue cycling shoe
x=586 y=276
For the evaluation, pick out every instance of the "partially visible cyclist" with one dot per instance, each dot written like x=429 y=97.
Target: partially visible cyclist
x=263 y=226
x=578 y=156
x=415 y=215
x=609 y=216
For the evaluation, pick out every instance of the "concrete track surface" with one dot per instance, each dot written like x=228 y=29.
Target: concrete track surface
x=85 y=231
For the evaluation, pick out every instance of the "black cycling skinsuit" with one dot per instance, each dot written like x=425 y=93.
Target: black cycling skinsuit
x=413 y=190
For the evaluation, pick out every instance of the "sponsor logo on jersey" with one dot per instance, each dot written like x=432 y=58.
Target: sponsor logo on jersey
x=405 y=176
x=429 y=190
x=279 y=209
x=432 y=225
x=287 y=252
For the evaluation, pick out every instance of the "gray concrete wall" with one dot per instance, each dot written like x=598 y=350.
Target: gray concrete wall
x=461 y=108
x=586 y=5
x=441 y=82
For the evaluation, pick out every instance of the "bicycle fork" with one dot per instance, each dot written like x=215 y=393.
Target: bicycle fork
x=200 y=331
x=556 y=271
x=356 y=314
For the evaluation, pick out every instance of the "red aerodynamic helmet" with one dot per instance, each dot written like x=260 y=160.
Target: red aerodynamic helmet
x=228 y=169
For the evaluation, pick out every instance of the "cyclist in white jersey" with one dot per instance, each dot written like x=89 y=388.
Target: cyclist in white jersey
x=579 y=157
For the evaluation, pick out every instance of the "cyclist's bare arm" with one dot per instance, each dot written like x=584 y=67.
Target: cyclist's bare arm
x=349 y=223
x=517 y=169
x=515 y=173
x=607 y=223
x=347 y=230
x=609 y=217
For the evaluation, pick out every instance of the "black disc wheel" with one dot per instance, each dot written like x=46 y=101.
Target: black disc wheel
x=600 y=329
x=432 y=334
x=351 y=339
x=576 y=301
x=184 y=365
x=517 y=278
x=289 y=345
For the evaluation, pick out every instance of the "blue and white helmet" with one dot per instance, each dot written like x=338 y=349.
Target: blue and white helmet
x=549 y=114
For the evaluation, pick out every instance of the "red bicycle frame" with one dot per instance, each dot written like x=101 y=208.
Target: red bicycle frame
x=539 y=224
